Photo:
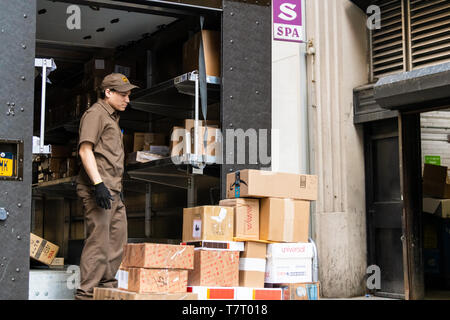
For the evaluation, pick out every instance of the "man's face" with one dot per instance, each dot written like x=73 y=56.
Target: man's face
x=117 y=100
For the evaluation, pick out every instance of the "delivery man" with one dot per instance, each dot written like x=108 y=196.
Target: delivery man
x=99 y=185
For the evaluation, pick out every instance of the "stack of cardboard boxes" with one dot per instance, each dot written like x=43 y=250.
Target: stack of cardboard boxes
x=152 y=271
x=145 y=146
x=436 y=206
x=62 y=163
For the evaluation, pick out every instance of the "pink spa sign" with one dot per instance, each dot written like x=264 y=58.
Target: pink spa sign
x=287 y=20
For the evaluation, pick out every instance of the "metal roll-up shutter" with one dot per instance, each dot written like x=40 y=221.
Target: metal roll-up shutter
x=430 y=32
x=388 y=42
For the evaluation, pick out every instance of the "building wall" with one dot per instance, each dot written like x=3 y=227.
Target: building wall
x=338 y=34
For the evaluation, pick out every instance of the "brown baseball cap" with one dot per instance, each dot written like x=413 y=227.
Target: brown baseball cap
x=118 y=82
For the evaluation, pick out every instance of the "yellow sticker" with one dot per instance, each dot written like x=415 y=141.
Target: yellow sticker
x=6 y=167
x=125 y=79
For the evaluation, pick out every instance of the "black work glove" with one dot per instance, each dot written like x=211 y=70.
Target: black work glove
x=102 y=196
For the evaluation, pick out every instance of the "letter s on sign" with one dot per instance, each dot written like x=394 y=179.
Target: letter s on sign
x=288 y=12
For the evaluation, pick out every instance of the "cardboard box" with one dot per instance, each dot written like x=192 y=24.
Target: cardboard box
x=158 y=255
x=260 y=184
x=189 y=124
x=289 y=263
x=246 y=217
x=236 y=293
x=119 y=294
x=435 y=182
x=143 y=140
x=61 y=151
x=252 y=265
x=141 y=280
x=216 y=268
x=180 y=142
x=42 y=250
x=211 y=45
x=208 y=223
x=300 y=291
x=284 y=220
x=439 y=207
x=213 y=141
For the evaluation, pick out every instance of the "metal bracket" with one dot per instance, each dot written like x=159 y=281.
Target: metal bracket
x=44 y=64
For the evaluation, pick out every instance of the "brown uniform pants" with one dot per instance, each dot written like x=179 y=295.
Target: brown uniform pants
x=106 y=235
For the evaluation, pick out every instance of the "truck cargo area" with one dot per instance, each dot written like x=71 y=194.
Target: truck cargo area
x=155 y=50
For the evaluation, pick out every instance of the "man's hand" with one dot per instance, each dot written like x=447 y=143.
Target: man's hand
x=102 y=196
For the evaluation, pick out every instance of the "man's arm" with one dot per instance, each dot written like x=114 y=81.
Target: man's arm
x=88 y=159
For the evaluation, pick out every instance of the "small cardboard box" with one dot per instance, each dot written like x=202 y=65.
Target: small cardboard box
x=252 y=265
x=216 y=268
x=98 y=67
x=246 y=217
x=289 y=263
x=58 y=263
x=435 y=182
x=119 y=294
x=300 y=291
x=284 y=220
x=158 y=255
x=208 y=223
x=214 y=245
x=42 y=250
x=439 y=207
x=211 y=45
x=250 y=183
x=141 y=280
x=143 y=140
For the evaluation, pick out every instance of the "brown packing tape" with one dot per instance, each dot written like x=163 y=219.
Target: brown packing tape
x=289 y=212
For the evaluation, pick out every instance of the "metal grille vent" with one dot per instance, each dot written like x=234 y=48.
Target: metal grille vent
x=430 y=32
x=388 y=43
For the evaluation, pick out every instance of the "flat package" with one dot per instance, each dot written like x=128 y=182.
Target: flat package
x=42 y=250
x=143 y=280
x=208 y=223
x=284 y=220
x=250 y=183
x=246 y=217
x=120 y=294
x=217 y=268
x=236 y=293
x=143 y=140
x=158 y=255
x=216 y=245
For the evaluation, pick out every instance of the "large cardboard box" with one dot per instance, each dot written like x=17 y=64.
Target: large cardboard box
x=246 y=217
x=98 y=67
x=300 y=291
x=439 y=207
x=208 y=223
x=260 y=184
x=42 y=250
x=143 y=140
x=289 y=263
x=216 y=268
x=436 y=183
x=211 y=45
x=158 y=255
x=252 y=265
x=143 y=280
x=284 y=220
x=189 y=124
x=119 y=294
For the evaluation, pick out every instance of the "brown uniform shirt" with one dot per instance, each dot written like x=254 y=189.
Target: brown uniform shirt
x=100 y=125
